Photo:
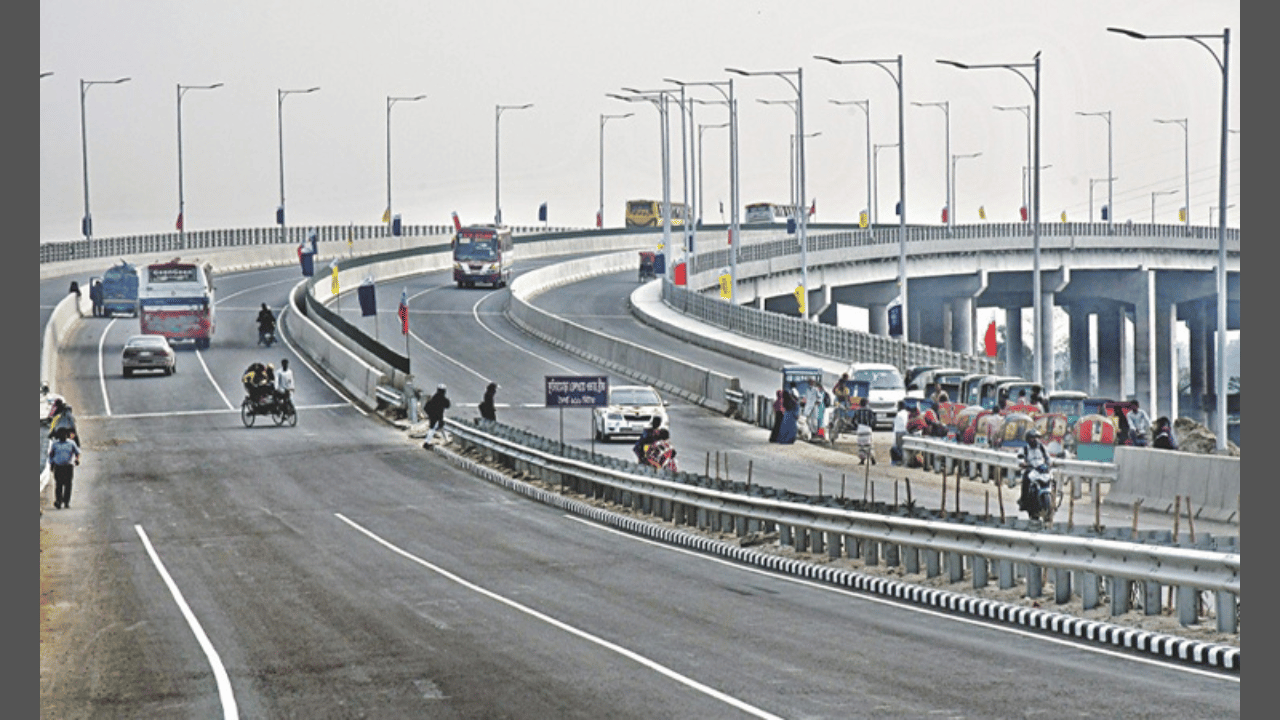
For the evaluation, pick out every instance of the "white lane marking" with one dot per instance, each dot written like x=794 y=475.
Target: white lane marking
x=225 y=298
x=302 y=357
x=212 y=381
x=102 y=374
x=906 y=606
x=475 y=312
x=432 y=349
x=176 y=413
x=219 y=672
x=629 y=654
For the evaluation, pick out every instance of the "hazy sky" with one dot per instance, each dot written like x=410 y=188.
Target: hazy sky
x=564 y=56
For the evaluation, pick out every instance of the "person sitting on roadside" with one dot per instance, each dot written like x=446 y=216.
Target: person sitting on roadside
x=641 y=448
x=661 y=454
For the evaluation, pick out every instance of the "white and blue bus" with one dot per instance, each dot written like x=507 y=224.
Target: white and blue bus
x=765 y=212
x=175 y=299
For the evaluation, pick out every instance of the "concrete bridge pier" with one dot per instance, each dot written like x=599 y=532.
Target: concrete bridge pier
x=1201 y=353
x=1013 y=340
x=1078 y=315
x=1111 y=350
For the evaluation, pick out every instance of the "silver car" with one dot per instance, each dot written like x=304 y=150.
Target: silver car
x=148 y=352
x=630 y=411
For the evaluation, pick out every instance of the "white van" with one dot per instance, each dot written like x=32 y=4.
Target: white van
x=887 y=389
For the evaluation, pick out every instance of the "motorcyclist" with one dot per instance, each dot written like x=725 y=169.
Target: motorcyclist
x=1035 y=454
x=266 y=324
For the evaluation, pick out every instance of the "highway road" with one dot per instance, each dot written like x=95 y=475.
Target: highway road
x=336 y=569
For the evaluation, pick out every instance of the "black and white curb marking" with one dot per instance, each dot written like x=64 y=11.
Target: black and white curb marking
x=1215 y=655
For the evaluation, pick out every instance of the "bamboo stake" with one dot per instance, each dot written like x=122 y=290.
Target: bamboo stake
x=873 y=493
x=707 y=471
x=908 y=481
x=1071 y=511
x=944 y=498
x=1137 y=504
x=1097 y=507
x=750 y=463
x=986 y=507
x=819 y=486
x=841 y=486
x=1177 y=515
x=957 y=502
x=895 y=494
x=1000 y=499
x=1191 y=523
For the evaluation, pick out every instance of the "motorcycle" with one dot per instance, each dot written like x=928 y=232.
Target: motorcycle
x=266 y=337
x=1043 y=495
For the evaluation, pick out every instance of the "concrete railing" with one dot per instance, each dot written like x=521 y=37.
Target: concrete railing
x=1076 y=562
x=692 y=382
x=1157 y=478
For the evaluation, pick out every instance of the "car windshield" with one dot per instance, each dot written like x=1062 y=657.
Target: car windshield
x=147 y=342
x=635 y=396
x=880 y=379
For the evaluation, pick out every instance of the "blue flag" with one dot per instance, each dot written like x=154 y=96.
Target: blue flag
x=542 y=213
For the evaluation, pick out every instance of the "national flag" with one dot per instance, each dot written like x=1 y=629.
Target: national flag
x=599 y=219
x=386 y=214
x=1023 y=211
x=403 y=311
x=1064 y=216
x=990 y=340
x=178 y=226
x=800 y=295
x=813 y=209
x=982 y=212
x=457 y=224
x=862 y=219
x=944 y=214
x=897 y=209
x=335 y=279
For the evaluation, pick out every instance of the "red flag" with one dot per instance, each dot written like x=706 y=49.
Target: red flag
x=813 y=209
x=991 y=339
x=403 y=311
x=457 y=224
x=599 y=220
x=944 y=213
x=178 y=225
x=1023 y=210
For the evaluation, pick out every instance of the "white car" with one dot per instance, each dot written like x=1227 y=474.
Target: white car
x=887 y=388
x=148 y=352
x=631 y=409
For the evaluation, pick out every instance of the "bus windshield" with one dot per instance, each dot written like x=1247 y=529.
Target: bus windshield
x=476 y=250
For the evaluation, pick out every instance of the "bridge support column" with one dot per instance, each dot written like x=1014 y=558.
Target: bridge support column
x=1078 y=319
x=1144 y=339
x=1110 y=351
x=962 y=310
x=1166 y=370
x=927 y=325
x=1198 y=326
x=1013 y=340
x=878 y=319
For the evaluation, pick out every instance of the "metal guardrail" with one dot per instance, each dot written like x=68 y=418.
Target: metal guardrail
x=979 y=462
x=1074 y=561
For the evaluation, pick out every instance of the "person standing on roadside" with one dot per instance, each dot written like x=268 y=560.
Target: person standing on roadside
x=1139 y=425
x=64 y=455
x=487 y=411
x=899 y=431
x=284 y=380
x=434 y=409
x=864 y=420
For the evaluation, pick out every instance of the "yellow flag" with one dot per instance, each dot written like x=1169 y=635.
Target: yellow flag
x=726 y=287
x=1182 y=215
x=862 y=219
x=982 y=212
x=386 y=216
x=1064 y=216
x=335 y=279
x=800 y=295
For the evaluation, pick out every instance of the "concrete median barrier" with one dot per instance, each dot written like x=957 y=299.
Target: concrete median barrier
x=1159 y=477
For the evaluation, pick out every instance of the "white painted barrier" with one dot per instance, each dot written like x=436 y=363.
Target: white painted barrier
x=1158 y=477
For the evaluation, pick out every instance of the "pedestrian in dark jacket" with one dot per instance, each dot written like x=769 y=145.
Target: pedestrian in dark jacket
x=64 y=455
x=487 y=411
x=434 y=409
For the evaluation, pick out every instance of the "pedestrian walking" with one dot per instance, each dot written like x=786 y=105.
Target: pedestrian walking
x=864 y=419
x=434 y=409
x=899 y=431
x=777 y=418
x=64 y=455
x=487 y=411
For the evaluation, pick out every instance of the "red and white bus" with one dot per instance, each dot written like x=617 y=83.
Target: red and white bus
x=175 y=299
x=483 y=254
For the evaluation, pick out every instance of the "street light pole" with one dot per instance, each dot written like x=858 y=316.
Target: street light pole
x=604 y=119
x=702 y=197
x=945 y=105
x=497 y=154
x=876 y=178
x=1026 y=188
x=803 y=215
x=182 y=205
x=866 y=108
x=392 y=101
x=1043 y=346
x=1111 y=208
x=902 y=184
x=86 y=223
x=659 y=100
x=1223 y=63
x=1092 y=182
x=791 y=165
x=799 y=204
x=280 y=96
x=1153 y=202
x=952 y=211
x=1186 y=171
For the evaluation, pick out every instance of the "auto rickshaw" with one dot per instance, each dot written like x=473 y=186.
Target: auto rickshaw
x=987 y=428
x=1009 y=434
x=1055 y=429
x=1069 y=403
x=1095 y=437
x=966 y=422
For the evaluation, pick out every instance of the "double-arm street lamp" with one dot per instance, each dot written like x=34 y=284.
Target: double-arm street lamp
x=1223 y=63
x=902 y=183
x=951 y=211
x=702 y=197
x=604 y=119
x=1026 y=191
x=392 y=101
x=1153 y=202
x=866 y=108
x=280 y=96
x=945 y=106
x=86 y=223
x=666 y=96
x=1043 y=346
x=1186 y=170
x=659 y=100
x=497 y=155
x=182 y=205
x=1111 y=208
x=802 y=221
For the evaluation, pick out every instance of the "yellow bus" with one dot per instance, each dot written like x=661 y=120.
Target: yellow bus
x=648 y=213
